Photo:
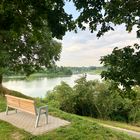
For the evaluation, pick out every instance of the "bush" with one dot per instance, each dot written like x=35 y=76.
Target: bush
x=92 y=98
x=84 y=97
x=62 y=97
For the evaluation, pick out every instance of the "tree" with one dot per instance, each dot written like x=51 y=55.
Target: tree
x=101 y=15
x=29 y=51
x=27 y=27
x=123 y=66
x=26 y=31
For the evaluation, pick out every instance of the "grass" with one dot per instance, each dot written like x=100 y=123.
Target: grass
x=9 y=132
x=81 y=128
x=2 y=104
x=116 y=124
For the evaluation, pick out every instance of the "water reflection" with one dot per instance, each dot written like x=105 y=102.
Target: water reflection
x=38 y=87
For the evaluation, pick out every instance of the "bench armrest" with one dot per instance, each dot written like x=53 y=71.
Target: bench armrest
x=39 y=111
x=43 y=107
x=42 y=110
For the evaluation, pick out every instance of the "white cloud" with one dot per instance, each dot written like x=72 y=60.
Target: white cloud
x=84 y=49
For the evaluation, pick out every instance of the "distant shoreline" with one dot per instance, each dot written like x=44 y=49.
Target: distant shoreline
x=50 y=75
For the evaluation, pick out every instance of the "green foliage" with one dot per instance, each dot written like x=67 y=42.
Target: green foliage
x=84 y=95
x=2 y=103
x=29 y=55
x=62 y=96
x=123 y=66
x=27 y=28
x=90 y=69
x=55 y=70
x=32 y=15
x=80 y=127
x=92 y=98
x=101 y=15
x=104 y=100
x=134 y=114
x=25 y=35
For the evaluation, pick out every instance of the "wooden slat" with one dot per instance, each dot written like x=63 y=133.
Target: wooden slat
x=11 y=101
x=27 y=106
x=21 y=104
x=32 y=101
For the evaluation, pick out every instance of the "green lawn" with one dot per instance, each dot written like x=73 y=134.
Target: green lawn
x=81 y=128
x=9 y=132
x=2 y=104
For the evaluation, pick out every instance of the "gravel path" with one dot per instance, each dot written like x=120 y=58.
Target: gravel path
x=129 y=132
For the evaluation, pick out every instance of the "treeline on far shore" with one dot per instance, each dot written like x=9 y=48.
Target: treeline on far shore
x=90 y=69
x=58 y=71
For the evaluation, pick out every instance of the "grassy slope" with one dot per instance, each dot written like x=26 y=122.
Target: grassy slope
x=116 y=124
x=80 y=129
x=9 y=132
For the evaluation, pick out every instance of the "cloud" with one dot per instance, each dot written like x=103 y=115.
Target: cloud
x=84 y=49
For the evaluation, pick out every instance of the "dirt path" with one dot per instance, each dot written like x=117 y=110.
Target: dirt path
x=129 y=132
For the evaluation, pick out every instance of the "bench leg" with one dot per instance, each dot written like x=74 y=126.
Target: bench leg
x=37 y=120
x=41 y=113
x=6 y=110
x=46 y=114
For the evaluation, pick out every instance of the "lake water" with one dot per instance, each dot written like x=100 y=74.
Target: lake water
x=39 y=87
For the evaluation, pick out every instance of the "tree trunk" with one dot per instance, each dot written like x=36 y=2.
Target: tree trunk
x=1 y=79
x=100 y=114
x=3 y=90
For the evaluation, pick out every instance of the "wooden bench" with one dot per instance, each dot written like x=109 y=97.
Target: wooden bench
x=26 y=105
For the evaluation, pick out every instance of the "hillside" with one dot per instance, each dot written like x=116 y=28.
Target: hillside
x=81 y=128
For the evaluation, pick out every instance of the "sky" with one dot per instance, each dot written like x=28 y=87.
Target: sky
x=85 y=49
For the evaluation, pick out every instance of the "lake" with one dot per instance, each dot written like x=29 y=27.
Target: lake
x=39 y=87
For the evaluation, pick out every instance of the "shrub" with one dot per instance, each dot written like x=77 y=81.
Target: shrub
x=62 y=97
x=93 y=98
x=84 y=97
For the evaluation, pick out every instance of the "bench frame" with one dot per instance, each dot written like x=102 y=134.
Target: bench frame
x=21 y=104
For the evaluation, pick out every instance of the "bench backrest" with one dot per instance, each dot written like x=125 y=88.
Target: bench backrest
x=21 y=104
